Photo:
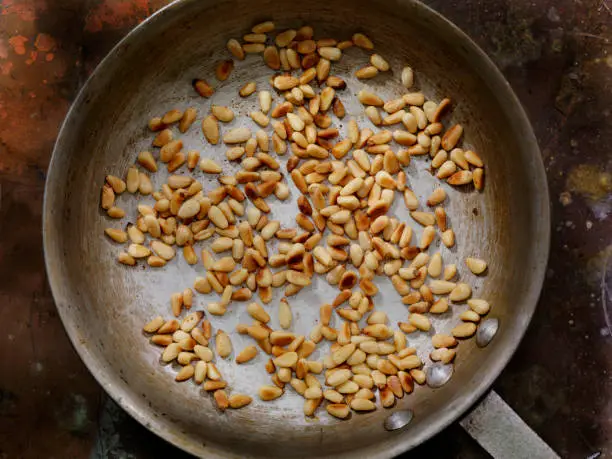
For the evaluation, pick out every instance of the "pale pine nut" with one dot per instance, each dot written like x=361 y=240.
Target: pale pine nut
x=407 y=77
x=476 y=265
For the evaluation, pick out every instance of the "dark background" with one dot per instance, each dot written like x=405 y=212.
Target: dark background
x=555 y=55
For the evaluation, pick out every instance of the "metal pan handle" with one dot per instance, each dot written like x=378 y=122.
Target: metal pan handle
x=502 y=433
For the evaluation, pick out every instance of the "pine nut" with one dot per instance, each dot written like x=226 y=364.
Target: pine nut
x=258 y=313
x=427 y=237
x=479 y=306
x=443 y=341
x=224 y=114
x=203 y=88
x=366 y=72
x=237 y=135
x=224 y=69
x=210 y=128
x=478 y=178
x=379 y=62
x=330 y=53
x=423 y=218
x=448 y=238
x=285 y=83
x=217 y=217
x=451 y=137
x=420 y=321
x=450 y=271
x=362 y=404
x=271 y=57
x=464 y=330
x=472 y=158
x=458 y=158
x=185 y=373
x=434 y=269
x=247 y=354
x=469 y=316
x=268 y=393
x=476 y=265
x=460 y=178
x=407 y=77
x=362 y=41
x=235 y=49
x=368 y=98
x=460 y=293
x=286 y=360
x=439 y=287
x=373 y=115
x=116 y=235
x=237 y=401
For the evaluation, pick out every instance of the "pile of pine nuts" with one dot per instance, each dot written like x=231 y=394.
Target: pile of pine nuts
x=346 y=187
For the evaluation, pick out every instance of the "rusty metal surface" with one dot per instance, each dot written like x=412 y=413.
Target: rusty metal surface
x=553 y=53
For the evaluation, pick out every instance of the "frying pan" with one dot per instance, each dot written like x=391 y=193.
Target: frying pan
x=103 y=304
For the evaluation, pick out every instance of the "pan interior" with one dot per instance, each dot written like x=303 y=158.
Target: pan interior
x=104 y=305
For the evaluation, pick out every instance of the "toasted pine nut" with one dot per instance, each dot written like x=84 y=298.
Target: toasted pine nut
x=248 y=89
x=374 y=115
x=420 y=321
x=235 y=48
x=478 y=178
x=248 y=353
x=338 y=410
x=464 y=330
x=224 y=69
x=479 y=306
x=379 y=62
x=203 y=88
x=476 y=265
x=210 y=128
x=361 y=40
x=451 y=137
x=237 y=135
x=460 y=293
x=448 y=238
x=361 y=404
x=237 y=401
x=223 y=344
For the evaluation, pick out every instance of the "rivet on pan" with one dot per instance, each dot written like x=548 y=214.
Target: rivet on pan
x=398 y=420
x=439 y=374
x=486 y=332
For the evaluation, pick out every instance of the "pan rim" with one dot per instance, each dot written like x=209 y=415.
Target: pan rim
x=398 y=445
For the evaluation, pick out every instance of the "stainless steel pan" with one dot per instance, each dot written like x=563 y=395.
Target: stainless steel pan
x=104 y=305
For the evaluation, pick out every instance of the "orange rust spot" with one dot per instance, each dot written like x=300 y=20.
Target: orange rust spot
x=117 y=14
x=3 y=49
x=25 y=10
x=18 y=44
x=49 y=57
x=33 y=57
x=29 y=143
x=44 y=42
x=6 y=68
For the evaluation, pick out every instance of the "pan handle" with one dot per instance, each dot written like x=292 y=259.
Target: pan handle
x=502 y=433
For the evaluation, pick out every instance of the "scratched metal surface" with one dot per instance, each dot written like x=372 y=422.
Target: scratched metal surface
x=555 y=56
